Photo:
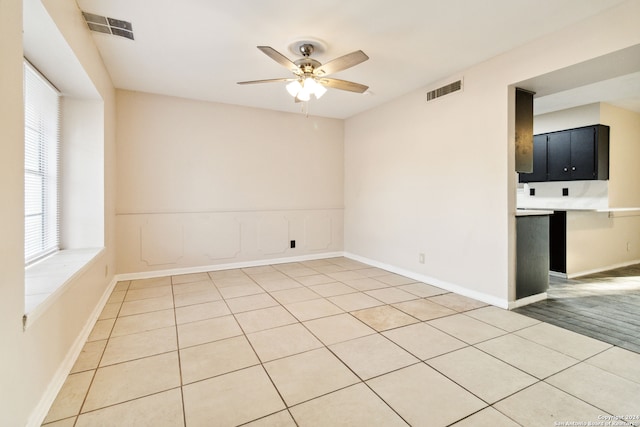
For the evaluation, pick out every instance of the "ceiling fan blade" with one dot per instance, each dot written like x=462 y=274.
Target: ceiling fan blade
x=280 y=59
x=251 y=82
x=341 y=63
x=344 y=85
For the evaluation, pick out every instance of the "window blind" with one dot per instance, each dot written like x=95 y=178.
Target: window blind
x=41 y=164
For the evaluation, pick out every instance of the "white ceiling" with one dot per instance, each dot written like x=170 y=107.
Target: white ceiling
x=612 y=78
x=199 y=49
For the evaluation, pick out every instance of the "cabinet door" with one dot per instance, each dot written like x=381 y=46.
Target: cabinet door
x=583 y=153
x=539 y=173
x=539 y=158
x=559 y=156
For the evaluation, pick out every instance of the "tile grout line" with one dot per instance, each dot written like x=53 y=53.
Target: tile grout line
x=175 y=325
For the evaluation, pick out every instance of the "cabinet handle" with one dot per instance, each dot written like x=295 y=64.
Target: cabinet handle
x=573 y=168
x=566 y=169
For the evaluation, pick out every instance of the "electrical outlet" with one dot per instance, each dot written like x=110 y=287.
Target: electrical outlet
x=565 y=191
x=628 y=246
x=293 y=244
x=421 y=258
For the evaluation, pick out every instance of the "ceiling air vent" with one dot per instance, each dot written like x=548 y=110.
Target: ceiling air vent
x=444 y=90
x=102 y=24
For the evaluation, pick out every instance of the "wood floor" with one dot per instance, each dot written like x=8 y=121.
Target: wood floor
x=605 y=306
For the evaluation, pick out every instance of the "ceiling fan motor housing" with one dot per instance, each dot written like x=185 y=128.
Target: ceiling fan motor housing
x=307 y=65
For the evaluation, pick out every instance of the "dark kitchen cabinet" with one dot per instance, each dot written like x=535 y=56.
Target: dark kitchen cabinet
x=578 y=154
x=571 y=155
x=558 y=156
x=539 y=173
x=584 y=154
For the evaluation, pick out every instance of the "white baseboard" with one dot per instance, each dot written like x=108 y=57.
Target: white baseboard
x=527 y=300
x=601 y=269
x=42 y=409
x=229 y=266
x=451 y=287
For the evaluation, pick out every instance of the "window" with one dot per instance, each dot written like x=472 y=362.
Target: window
x=60 y=256
x=41 y=128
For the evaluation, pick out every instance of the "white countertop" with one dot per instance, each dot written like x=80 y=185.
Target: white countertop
x=532 y=212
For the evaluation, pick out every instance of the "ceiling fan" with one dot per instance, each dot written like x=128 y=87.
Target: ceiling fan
x=310 y=76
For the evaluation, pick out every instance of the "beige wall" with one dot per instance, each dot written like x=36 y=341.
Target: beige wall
x=432 y=178
x=82 y=180
x=34 y=359
x=584 y=115
x=601 y=241
x=14 y=406
x=598 y=241
x=202 y=184
x=437 y=178
x=624 y=155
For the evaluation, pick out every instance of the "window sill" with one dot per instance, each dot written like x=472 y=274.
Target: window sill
x=46 y=280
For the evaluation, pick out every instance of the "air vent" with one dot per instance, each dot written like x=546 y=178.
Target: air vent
x=444 y=90
x=102 y=24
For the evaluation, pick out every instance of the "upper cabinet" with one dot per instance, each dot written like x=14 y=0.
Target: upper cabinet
x=539 y=173
x=570 y=155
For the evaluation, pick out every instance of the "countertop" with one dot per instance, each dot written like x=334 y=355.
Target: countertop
x=532 y=212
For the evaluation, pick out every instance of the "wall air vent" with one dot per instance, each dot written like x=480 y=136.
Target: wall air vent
x=444 y=90
x=102 y=24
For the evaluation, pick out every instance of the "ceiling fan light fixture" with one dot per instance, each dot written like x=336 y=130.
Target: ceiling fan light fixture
x=303 y=89
x=308 y=87
x=319 y=90
x=303 y=95
x=309 y=84
x=293 y=88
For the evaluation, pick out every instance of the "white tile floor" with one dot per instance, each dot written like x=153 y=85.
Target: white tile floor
x=334 y=343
